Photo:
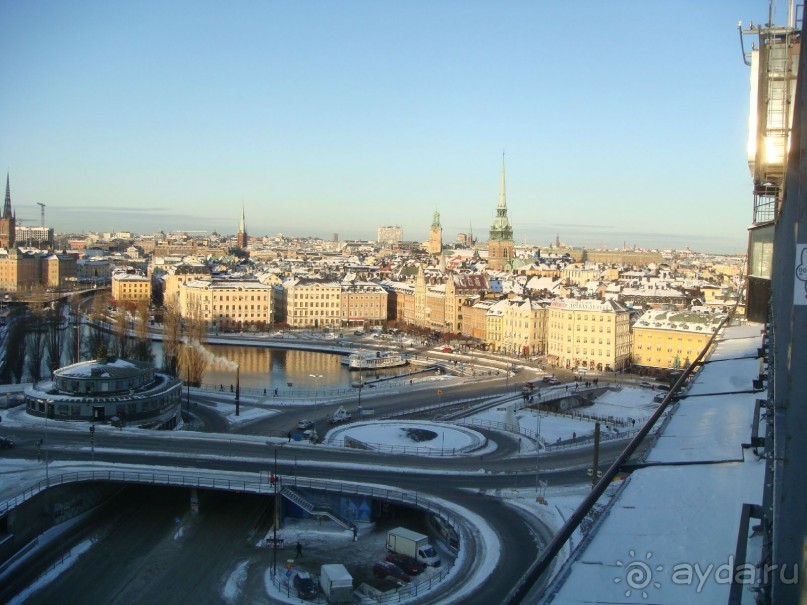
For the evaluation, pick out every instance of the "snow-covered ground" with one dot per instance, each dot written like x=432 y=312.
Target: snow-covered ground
x=625 y=404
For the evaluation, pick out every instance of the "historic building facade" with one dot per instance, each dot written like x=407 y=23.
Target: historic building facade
x=8 y=222
x=313 y=303
x=362 y=304
x=131 y=287
x=671 y=339
x=241 y=238
x=590 y=334
x=435 y=244
x=227 y=304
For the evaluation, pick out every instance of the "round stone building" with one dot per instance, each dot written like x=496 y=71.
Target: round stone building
x=110 y=389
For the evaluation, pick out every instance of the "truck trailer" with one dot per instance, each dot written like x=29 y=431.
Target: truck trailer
x=412 y=544
x=336 y=583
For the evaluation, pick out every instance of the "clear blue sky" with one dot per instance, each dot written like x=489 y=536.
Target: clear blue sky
x=621 y=121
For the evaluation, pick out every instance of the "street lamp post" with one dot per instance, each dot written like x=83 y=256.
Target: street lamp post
x=315 y=377
x=274 y=525
x=49 y=405
x=538 y=449
x=237 y=389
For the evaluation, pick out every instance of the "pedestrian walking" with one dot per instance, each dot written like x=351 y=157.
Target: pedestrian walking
x=275 y=392
x=574 y=436
x=355 y=533
x=289 y=436
x=299 y=551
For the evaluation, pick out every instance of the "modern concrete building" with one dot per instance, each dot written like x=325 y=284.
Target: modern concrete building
x=391 y=234
x=105 y=390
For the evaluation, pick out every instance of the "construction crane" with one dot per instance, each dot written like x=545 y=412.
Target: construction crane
x=41 y=205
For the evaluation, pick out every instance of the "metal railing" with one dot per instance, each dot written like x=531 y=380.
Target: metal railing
x=407 y=450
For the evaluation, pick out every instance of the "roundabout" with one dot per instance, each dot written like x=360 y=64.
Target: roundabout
x=410 y=437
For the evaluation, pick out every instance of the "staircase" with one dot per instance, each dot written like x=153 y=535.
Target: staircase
x=314 y=509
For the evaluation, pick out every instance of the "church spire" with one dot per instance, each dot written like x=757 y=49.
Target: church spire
x=241 y=237
x=7 y=205
x=501 y=229
x=502 y=195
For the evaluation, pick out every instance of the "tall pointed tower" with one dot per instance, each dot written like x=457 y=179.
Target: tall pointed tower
x=241 y=238
x=8 y=223
x=500 y=242
x=436 y=235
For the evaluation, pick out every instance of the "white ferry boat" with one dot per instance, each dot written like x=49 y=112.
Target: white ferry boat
x=374 y=360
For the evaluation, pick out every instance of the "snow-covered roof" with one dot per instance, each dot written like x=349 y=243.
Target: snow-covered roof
x=676 y=524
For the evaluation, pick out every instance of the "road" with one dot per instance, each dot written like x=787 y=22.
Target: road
x=142 y=561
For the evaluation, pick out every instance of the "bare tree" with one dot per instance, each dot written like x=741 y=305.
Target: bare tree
x=121 y=343
x=172 y=333
x=14 y=360
x=194 y=356
x=55 y=336
x=142 y=345
x=97 y=337
x=73 y=337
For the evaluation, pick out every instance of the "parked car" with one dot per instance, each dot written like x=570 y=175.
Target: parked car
x=304 y=585
x=6 y=443
x=305 y=424
x=448 y=350
x=384 y=569
x=411 y=566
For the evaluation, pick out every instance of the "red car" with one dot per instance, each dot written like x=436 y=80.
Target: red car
x=383 y=569
x=448 y=350
x=411 y=566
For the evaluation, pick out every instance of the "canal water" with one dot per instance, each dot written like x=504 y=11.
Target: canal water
x=282 y=369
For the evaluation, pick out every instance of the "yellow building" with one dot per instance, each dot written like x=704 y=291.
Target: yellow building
x=580 y=274
x=228 y=304
x=494 y=320
x=313 y=303
x=24 y=271
x=19 y=271
x=672 y=339
x=60 y=270
x=590 y=334
x=523 y=331
x=474 y=313
x=435 y=243
x=363 y=303
x=177 y=275
x=131 y=287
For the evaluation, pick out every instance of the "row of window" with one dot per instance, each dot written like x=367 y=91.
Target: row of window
x=72 y=410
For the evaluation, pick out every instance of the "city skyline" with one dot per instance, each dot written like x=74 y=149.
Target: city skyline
x=118 y=117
